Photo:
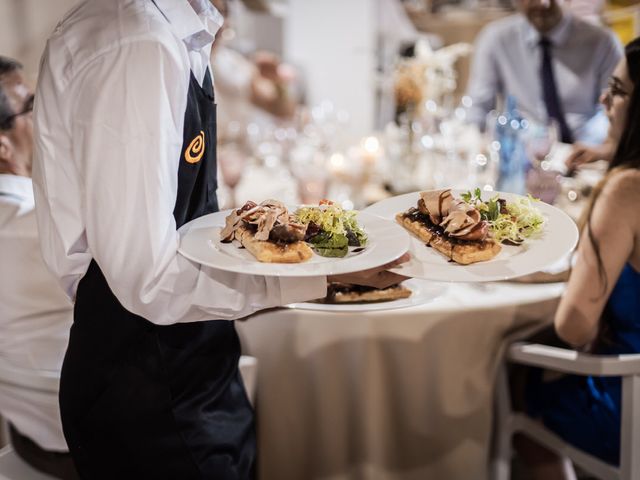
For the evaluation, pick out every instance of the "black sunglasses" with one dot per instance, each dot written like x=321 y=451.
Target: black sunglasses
x=7 y=122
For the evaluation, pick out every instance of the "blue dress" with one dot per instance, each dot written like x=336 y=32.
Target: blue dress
x=585 y=411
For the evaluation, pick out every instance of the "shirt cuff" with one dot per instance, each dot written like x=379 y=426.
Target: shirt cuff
x=296 y=289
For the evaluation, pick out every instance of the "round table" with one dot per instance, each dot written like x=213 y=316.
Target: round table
x=392 y=394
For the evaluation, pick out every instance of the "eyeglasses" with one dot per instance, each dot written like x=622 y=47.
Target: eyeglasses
x=614 y=88
x=7 y=122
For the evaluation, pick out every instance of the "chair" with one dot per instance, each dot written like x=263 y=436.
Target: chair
x=249 y=372
x=509 y=422
x=12 y=467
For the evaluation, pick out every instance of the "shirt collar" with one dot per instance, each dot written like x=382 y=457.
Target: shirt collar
x=195 y=21
x=557 y=36
x=16 y=186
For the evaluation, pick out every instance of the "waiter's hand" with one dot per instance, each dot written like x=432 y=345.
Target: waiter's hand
x=378 y=277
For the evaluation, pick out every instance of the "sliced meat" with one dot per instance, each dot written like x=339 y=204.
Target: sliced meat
x=288 y=233
x=266 y=221
x=478 y=232
x=437 y=204
x=263 y=220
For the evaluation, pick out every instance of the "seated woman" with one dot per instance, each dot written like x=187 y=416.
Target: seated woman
x=600 y=311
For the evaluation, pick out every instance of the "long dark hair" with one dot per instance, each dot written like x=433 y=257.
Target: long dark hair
x=627 y=155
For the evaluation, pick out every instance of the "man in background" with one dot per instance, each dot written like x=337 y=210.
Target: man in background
x=35 y=314
x=553 y=64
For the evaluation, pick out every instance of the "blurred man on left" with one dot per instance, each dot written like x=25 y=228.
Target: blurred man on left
x=35 y=314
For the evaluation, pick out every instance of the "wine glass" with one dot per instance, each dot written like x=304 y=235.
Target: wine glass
x=540 y=140
x=308 y=167
x=232 y=159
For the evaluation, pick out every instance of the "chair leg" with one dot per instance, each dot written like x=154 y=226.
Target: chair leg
x=501 y=468
x=630 y=429
x=501 y=461
x=568 y=470
x=4 y=432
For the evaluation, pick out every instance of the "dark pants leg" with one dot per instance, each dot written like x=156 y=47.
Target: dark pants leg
x=56 y=464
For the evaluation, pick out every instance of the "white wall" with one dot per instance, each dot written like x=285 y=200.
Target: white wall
x=25 y=26
x=257 y=31
x=334 y=41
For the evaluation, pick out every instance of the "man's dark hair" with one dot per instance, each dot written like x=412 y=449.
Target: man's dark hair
x=7 y=65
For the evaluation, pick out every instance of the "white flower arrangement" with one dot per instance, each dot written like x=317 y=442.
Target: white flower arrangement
x=429 y=75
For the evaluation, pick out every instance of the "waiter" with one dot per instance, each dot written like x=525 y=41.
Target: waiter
x=125 y=133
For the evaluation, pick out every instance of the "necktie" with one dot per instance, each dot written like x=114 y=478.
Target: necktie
x=550 y=93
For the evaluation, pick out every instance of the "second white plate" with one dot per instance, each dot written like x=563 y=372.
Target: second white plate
x=422 y=292
x=559 y=237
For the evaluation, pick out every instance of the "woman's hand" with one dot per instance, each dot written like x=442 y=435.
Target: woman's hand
x=378 y=277
x=582 y=154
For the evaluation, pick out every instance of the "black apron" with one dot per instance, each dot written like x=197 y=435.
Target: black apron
x=143 y=401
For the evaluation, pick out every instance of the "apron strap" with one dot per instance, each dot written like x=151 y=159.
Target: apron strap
x=161 y=12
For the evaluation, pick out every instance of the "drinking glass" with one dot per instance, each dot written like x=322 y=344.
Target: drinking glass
x=232 y=159
x=308 y=167
x=540 y=139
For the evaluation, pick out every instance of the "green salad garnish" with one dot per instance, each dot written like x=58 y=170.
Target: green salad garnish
x=331 y=230
x=510 y=222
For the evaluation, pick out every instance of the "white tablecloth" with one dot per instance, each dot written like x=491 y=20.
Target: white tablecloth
x=396 y=394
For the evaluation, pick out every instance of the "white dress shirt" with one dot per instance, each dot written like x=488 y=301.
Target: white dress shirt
x=35 y=315
x=507 y=61
x=108 y=124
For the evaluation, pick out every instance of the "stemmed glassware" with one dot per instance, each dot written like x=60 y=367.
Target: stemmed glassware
x=540 y=139
x=308 y=166
x=232 y=159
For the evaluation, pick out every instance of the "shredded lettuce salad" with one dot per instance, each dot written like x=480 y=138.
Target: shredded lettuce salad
x=510 y=222
x=334 y=229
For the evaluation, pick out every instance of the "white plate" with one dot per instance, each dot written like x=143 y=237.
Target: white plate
x=422 y=291
x=559 y=237
x=200 y=242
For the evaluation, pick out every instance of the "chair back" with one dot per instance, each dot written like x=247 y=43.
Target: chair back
x=12 y=467
x=509 y=422
x=46 y=381
x=41 y=380
x=249 y=373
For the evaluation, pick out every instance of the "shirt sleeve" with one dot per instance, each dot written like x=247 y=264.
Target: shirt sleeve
x=126 y=122
x=484 y=81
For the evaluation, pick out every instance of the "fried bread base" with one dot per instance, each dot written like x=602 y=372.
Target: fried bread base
x=394 y=292
x=462 y=253
x=270 y=252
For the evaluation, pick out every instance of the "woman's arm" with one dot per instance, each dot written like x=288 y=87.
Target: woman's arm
x=615 y=225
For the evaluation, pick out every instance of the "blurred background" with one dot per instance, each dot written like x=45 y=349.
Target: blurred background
x=358 y=101
x=325 y=99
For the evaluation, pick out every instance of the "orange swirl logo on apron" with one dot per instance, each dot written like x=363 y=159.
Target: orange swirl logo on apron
x=195 y=150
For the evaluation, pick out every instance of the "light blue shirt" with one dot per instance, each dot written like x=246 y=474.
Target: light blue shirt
x=507 y=61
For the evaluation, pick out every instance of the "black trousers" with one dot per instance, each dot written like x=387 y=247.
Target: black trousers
x=56 y=464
